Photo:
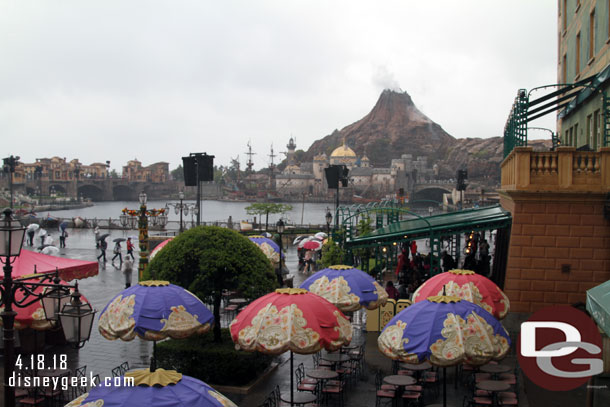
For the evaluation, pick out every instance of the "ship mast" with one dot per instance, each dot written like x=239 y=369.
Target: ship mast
x=249 y=154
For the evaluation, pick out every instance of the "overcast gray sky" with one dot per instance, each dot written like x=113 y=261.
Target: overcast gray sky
x=154 y=80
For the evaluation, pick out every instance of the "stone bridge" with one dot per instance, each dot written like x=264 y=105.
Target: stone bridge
x=432 y=190
x=99 y=189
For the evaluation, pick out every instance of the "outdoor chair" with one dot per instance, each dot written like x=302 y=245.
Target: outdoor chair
x=278 y=397
x=334 y=388
x=470 y=401
x=383 y=394
x=96 y=381
x=357 y=355
x=124 y=367
x=307 y=380
x=301 y=385
x=411 y=398
x=116 y=372
x=34 y=397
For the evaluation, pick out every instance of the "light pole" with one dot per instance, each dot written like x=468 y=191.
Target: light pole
x=143 y=236
x=329 y=219
x=280 y=229
x=76 y=318
x=183 y=209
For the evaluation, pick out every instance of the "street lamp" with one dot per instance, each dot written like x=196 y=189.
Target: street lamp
x=280 y=229
x=143 y=235
x=329 y=219
x=9 y=167
x=11 y=242
x=183 y=209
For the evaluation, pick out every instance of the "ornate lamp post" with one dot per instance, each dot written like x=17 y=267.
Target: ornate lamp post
x=75 y=325
x=280 y=229
x=329 y=219
x=143 y=235
x=183 y=209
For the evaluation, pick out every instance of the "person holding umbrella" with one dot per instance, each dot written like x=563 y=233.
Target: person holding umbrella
x=130 y=249
x=117 y=251
x=102 y=246
x=63 y=235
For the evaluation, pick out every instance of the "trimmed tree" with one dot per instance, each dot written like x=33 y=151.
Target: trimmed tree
x=207 y=260
x=265 y=208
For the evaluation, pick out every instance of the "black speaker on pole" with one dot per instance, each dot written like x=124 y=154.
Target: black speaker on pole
x=198 y=163
x=332 y=176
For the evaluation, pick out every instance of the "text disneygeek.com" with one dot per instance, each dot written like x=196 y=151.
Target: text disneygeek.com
x=65 y=382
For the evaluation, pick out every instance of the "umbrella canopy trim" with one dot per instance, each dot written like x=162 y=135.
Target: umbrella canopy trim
x=153 y=283
x=160 y=377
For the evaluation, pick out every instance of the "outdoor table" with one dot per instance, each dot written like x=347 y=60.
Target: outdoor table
x=238 y=301
x=494 y=369
x=322 y=374
x=493 y=386
x=299 y=398
x=417 y=368
x=336 y=358
x=399 y=380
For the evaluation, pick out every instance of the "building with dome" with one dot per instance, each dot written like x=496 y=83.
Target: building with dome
x=364 y=180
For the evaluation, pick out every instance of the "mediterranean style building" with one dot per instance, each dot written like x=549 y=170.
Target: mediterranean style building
x=560 y=200
x=309 y=178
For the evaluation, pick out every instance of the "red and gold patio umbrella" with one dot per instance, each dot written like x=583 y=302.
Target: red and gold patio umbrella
x=469 y=286
x=290 y=319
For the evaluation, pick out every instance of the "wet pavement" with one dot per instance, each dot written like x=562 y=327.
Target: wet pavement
x=101 y=355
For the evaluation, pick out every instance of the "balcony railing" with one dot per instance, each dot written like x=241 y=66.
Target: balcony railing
x=563 y=170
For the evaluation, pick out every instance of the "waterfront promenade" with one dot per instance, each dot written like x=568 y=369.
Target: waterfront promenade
x=101 y=355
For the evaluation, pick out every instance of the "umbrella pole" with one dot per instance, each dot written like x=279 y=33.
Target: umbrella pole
x=291 y=379
x=153 y=359
x=444 y=387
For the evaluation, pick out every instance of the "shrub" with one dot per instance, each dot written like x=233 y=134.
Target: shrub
x=208 y=259
x=214 y=363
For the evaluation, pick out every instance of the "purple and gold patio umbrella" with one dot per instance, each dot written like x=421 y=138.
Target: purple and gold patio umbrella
x=347 y=287
x=162 y=388
x=268 y=246
x=446 y=331
x=154 y=310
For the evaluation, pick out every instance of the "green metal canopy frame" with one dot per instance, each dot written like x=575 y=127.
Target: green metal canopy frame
x=566 y=99
x=435 y=228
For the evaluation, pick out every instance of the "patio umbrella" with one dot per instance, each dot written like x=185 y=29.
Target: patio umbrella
x=312 y=245
x=348 y=288
x=162 y=388
x=290 y=319
x=158 y=248
x=268 y=246
x=469 y=286
x=446 y=331
x=30 y=262
x=154 y=310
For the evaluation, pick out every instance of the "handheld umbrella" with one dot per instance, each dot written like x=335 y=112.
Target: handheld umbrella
x=446 y=331
x=268 y=246
x=162 y=388
x=290 y=319
x=154 y=310
x=348 y=288
x=469 y=286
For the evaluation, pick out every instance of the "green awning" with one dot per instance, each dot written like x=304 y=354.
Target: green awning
x=488 y=218
x=598 y=305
